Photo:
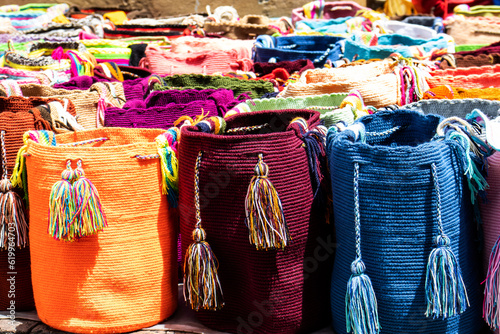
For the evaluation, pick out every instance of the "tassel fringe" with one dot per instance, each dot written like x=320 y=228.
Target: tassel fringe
x=89 y=217
x=361 y=302
x=13 y=222
x=264 y=213
x=61 y=205
x=491 y=303
x=444 y=287
x=202 y=288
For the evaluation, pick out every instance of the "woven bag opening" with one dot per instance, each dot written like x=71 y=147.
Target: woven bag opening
x=404 y=128
x=269 y=122
x=115 y=137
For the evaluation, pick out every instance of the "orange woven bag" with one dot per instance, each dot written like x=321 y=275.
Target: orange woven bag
x=124 y=277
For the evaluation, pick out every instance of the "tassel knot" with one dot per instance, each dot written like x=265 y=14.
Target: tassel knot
x=202 y=288
x=264 y=213
x=61 y=205
x=89 y=216
x=444 y=287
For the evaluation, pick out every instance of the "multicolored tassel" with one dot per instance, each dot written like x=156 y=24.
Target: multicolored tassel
x=360 y=300
x=202 y=288
x=265 y=220
x=491 y=303
x=89 y=217
x=62 y=206
x=13 y=222
x=167 y=150
x=444 y=287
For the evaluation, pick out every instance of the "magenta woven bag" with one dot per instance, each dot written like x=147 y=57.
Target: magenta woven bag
x=273 y=291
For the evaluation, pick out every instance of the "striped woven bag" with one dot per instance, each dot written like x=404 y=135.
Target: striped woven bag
x=247 y=197
x=120 y=272
x=404 y=227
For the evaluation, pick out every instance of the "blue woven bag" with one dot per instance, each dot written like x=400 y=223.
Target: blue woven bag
x=398 y=189
x=318 y=49
x=392 y=43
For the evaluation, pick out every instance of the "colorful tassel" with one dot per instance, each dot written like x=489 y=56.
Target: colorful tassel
x=13 y=222
x=167 y=150
x=491 y=303
x=264 y=214
x=360 y=300
x=62 y=206
x=202 y=288
x=444 y=287
x=89 y=217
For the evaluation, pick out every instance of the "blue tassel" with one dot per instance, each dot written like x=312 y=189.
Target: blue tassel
x=444 y=287
x=360 y=302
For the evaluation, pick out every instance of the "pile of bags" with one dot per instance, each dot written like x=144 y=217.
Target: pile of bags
x=337 y=167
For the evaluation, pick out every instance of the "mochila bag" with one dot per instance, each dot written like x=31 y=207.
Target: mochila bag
x=318 y=49
x=91 y=270
x=320 y=10
x=89 y=104
x=254 y=88
x=334 y=108
x=404 y=227
x=17 y=115
x=450 y=92
x=250 y=226
x=162 y=109
x=456 y=107
x=466 y=77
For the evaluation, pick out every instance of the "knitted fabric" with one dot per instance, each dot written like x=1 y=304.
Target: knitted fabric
x=129 y=30
x=189 y=44
x=254 y=88
x=482 y=8
x=336 y=26
x=388 y=44
x=436 y=23
x=247 y=27
x=466 y=77
x=318 y=49
x=488 y=49
x=203 y=62
x=299 y=65
x=83 y=297
x=397 y=207
x=81 y=82
x=411 y=30
x=456 y=107
x=448 y=92
x=274 y=287
x=331 y=10
x=367 y=79
x=86 y=102
x=458 y=60
x=162 y=109
x=477 y=30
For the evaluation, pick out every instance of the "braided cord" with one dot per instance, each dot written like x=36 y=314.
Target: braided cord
x=357 y=215
x=197 y=190
x=438 y=198
x=4 y=155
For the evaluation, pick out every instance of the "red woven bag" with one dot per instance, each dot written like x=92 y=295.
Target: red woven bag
x=261 y=291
